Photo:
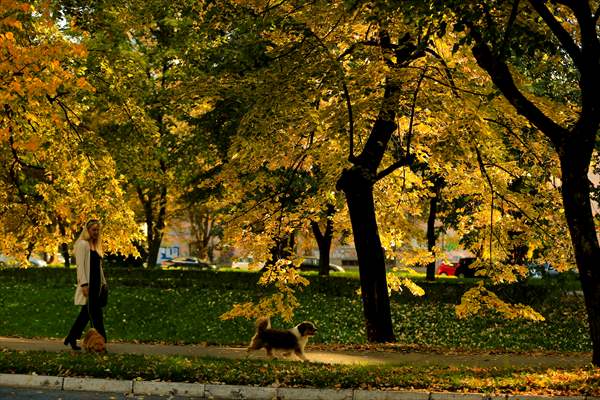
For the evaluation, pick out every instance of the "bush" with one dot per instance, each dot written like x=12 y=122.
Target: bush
x=534 y=292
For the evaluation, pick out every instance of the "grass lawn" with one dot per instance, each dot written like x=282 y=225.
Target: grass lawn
x=555 y=381
x=160 y=306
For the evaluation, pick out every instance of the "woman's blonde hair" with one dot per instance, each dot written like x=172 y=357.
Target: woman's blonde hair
x=85 y=235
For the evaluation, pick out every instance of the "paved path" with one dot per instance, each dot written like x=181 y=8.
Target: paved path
x=372 y=357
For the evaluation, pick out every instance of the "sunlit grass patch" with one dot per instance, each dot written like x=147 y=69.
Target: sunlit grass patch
x=506 y=380
x=177 y=307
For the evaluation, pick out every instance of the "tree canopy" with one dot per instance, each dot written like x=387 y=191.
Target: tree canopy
x=283 y=121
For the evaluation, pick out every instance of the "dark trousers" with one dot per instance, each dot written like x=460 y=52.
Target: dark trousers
x=93 y=310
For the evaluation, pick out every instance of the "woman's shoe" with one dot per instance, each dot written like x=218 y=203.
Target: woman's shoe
x=72 y=343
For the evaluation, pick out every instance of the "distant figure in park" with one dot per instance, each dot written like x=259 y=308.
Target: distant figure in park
x=92 y=290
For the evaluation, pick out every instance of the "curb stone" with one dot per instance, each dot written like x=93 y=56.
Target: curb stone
x=168 y=388
x=219 y=392
x=469 y=396
x=39 y=381
x=389 y=395
x=457 y=396
x=98 y=385
x=314 y=394
x=532 y=397
x=237 y=392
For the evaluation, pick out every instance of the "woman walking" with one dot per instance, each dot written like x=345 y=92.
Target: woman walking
x=91 y=289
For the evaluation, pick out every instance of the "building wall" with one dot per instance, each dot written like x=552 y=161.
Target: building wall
x=176 y=241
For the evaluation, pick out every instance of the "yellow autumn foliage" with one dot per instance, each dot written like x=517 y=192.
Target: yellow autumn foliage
x=53 y=180
x=478 y=300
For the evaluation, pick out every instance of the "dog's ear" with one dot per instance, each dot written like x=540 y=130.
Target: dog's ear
x=307 y=328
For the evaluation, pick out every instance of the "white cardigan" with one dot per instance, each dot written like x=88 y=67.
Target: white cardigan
x=82 y=258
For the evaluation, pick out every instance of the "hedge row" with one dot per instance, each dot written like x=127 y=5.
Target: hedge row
x=441 y=291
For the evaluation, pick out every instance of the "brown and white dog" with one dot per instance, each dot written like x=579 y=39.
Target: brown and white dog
x=290 y=340
x=93 y=342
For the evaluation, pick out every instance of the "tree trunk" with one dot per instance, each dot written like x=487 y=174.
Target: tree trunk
x=357 y=184
x=283 y=247
x=154 y=241
x=155 y=235
x=207 y=236
x=202 y=232
x=574 y=146
x=578 y=212
x=64 y=250
x=64 y=247
x=371 y=261
x=155 y=224
x=431 y=234
x=324 y=240
x=210 y=253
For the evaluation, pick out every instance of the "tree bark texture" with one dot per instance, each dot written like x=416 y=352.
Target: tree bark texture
x=201 y=229
x=64 y=247
x=371 y=259
x=431 y=233
x=574 y=144
x=155 y=221
x=283 y=247
x=324 y=240
x=357 y=185
x=578 y=212
x=64 y=250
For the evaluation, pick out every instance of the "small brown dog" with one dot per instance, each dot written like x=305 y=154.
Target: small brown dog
x=294 y=339
x=93 y=342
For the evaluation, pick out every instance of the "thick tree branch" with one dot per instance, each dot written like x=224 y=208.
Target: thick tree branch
x=373 y=151
x=509 y=24
x=391 y=168
x=557 y=29
x=587 y=27
x=589 y=80
x=503 y=79
x=316 y=231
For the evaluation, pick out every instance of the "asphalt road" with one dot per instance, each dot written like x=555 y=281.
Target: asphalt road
x=8 y=393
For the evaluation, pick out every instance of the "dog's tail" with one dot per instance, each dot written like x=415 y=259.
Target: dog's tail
x=262 y=324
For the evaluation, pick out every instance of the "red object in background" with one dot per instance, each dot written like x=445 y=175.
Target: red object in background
x=448 y=269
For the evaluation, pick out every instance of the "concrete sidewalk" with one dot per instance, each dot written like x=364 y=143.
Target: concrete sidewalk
x=226 y=392
x=370 y=357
